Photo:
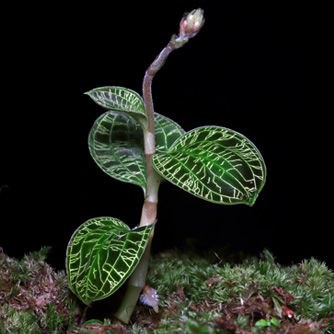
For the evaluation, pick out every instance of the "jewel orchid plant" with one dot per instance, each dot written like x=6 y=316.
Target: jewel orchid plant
x=134 y=144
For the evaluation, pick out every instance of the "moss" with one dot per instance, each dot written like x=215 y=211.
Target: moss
x=208 y=292
x=33 y=297
x=232 y=296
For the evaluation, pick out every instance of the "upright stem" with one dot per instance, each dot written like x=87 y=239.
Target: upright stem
x=149 y=212
x=137 y=280
x=147 y=84
x=189 y=27
x=149 y=135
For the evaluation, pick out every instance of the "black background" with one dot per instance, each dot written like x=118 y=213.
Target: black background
x=250 y=69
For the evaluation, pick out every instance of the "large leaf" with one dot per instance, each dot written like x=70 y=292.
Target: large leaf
x=120 y=99
x=216 y=164
x=101 y=255
x=117 y=146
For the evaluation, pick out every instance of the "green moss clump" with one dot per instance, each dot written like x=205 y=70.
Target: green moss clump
x=33 y=297
x=208 y=294
x=199 y=293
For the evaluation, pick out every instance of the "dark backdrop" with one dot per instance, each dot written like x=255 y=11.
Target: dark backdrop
x=249 y=69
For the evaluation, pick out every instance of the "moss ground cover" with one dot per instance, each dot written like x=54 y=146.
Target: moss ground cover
x=211 y=292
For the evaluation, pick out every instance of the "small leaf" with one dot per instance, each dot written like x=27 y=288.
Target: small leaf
x=120 y=99
x=277 y=306
x=214 y=163
x=274 y=321
x=101 y=255
x=261 y=323
x=93 y=322
x=116 y=144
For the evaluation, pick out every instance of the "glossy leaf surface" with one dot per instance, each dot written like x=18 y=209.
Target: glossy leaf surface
x=101 y=255
x=120 y=99
x=166 y=132
x=216 y=164
x=116 y=144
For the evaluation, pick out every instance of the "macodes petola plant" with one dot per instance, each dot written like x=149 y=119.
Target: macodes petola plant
x=132 y=143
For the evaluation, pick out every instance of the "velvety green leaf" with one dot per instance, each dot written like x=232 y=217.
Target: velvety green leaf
x=116 y=144
x=120 y=99
x=214 y=163
x=101 y=255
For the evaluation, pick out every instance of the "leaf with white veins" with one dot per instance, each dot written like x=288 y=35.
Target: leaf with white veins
x=101 y=255
x=214 y=163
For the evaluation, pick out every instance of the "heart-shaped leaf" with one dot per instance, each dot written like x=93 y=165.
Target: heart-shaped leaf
x=101 y=255
x=120 y=99
x=116 y=144
x=216 y=164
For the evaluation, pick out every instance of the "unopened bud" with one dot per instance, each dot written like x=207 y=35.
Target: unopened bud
x=191 y=24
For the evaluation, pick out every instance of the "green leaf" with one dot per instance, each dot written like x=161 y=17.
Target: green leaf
x=117 y=146
x=166 y=132
x=120 y=99
x=277 y=306
x=274 y=321
x=101 y=255
x=262 y=323
x=93 y=322
x=214 y=163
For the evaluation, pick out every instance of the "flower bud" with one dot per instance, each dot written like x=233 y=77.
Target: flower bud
x=191 y=24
